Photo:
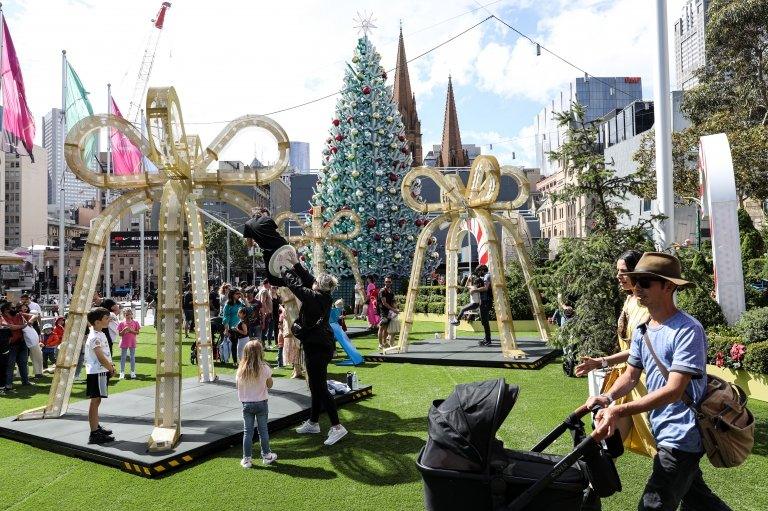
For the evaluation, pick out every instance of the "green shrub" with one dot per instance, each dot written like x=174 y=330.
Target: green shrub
x=421 y=306
x=751 y=245
x=436 y=308
x=753 y=325
x=435 y=298
x=425 y=291
x=723 y=331
x=753 y=269
x=700 y=305
x=756 y=358
x=754 y=299
x=719 y=343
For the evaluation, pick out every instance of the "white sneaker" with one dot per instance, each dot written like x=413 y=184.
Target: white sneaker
x=335 y=434
x=245 y=462
x=267 y=459
x=308 y=427
x=133 y=376
x=122 y=376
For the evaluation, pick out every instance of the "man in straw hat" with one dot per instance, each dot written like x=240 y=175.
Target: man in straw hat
x=680 y=344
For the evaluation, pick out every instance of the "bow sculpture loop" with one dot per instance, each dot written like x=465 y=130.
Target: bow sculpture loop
x=477 y=199
x=317 y=233
x=182 y=178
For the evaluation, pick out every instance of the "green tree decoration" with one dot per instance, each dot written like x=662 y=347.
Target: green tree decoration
x=364 y=161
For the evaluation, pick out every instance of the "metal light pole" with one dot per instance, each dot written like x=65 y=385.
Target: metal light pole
x=229 y=253
x=63 y=127
x=108 y=259
x=665 y=198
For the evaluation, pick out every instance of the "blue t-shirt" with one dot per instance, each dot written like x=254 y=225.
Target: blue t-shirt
x=681 y=345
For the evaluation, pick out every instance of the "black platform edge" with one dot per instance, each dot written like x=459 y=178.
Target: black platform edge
x=172 y=465
x=501 y=364
x=360 y=333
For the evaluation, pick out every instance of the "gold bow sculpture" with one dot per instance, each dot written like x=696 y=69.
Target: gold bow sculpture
x=182 y=179
x=317 y=233
x=477 y=199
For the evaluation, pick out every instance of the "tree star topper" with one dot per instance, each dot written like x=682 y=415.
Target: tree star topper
x=364 y=22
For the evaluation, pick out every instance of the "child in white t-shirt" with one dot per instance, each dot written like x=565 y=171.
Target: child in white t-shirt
x=254 y=377
x=99 y=367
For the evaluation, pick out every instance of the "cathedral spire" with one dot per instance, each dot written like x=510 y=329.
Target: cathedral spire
x=406 y=103
x=451 y=152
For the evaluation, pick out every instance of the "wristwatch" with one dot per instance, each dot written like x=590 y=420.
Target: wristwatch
x=609 y=397
x=604 y=362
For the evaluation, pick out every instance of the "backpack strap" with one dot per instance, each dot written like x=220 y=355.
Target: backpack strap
x=662 y=368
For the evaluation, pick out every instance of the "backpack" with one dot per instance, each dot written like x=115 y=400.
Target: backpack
x=727 y=427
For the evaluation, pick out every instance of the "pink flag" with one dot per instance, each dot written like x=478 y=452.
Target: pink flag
x=126 y=157
x=18 y=123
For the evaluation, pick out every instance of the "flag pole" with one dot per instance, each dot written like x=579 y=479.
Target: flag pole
x=143 y=217
x=63 y=121
x=2 y=173
x=108 y=260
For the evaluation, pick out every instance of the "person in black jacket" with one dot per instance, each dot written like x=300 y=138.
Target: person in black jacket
x=318 y=343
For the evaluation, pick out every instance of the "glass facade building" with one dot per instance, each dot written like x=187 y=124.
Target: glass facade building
x=599 y=96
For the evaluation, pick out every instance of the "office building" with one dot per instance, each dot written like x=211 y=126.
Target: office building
x=599 y=96
x=690 y=47
x=26 y=189
x=76 y=192
x=299 y=157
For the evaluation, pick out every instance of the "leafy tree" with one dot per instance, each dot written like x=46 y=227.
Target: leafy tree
x=685 y=178
x=731 y=98
x=585 y=270
x=215 y=237
x=589 y=176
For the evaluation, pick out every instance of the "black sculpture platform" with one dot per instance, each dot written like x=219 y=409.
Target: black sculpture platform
x=212 y=421
x=466 y=352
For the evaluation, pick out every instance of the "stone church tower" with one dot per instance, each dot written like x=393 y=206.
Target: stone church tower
x=451 y=152
x=406 y=104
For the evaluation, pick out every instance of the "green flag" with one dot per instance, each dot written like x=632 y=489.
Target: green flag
x=78 y=107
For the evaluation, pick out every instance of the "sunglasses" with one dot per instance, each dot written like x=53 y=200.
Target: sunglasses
x=645 y=282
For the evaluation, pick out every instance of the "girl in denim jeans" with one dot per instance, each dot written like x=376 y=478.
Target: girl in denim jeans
x=254 y=377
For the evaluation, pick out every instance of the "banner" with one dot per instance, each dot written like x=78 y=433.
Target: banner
x=126 y=157
x=77 y=106
x=18 y=123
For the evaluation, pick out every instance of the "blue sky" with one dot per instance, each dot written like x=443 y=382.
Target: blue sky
x=235 y=57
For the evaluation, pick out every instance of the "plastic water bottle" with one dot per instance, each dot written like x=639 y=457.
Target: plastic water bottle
x=437 y=336
x=349 y=379
x=354 y=381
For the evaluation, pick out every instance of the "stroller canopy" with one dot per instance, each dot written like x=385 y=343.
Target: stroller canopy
x=467 y=421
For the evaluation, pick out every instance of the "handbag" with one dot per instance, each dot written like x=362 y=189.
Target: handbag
x=31 y=337
x=727 y=427
x=394 y=324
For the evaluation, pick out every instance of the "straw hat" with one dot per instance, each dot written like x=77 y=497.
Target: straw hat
x=659 y=264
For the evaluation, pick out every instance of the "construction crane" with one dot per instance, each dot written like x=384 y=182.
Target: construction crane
x=147 y=60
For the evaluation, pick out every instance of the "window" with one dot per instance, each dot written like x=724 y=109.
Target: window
x=122 y=275
x=130 y=261
x=646 y=205
x=122 y=261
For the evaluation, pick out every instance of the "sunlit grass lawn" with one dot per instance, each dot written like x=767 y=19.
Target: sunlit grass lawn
x=372 y=469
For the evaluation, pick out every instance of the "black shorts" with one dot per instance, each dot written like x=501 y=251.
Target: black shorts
x=189 y=315
x=96 y=385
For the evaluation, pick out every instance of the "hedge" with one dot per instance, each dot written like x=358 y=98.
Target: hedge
x=756 y=358
x=753 y=325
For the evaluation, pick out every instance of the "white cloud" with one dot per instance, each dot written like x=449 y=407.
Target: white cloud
x=233 y=57
x=510 y=148
x=606 y=38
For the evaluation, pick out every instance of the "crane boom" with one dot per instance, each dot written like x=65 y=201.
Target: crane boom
x=147 y=61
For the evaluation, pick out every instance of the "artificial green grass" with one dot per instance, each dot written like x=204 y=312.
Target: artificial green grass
x=373 y=468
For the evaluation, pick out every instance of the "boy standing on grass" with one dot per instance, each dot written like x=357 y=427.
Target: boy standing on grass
x=99 y=367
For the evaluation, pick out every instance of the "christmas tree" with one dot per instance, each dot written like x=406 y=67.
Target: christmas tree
x=364 y=161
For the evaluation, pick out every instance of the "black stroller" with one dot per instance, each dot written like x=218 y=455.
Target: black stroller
x=465 y=467
x=217 y=335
